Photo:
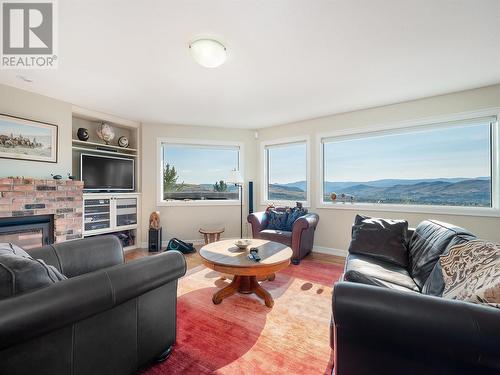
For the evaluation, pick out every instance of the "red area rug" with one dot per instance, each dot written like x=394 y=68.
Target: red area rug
x=242 y=336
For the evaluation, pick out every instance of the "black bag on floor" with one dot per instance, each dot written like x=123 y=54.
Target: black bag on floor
x=183 y=247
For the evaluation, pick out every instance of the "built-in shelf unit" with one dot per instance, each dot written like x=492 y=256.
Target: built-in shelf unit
x=109 y=212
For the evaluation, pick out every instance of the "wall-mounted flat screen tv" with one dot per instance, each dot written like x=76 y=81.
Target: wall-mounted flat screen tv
x=106 y=173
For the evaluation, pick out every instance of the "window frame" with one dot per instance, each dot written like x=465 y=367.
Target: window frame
x=264 y=201
x=407 y=127
x=160 y=141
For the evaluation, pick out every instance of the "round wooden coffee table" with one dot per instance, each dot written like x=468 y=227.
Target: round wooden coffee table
x=225 y=257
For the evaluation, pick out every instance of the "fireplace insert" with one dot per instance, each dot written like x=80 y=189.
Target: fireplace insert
x=27 y=231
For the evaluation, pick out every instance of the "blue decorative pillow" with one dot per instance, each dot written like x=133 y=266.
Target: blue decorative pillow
x=293 y=214
x=277 y=220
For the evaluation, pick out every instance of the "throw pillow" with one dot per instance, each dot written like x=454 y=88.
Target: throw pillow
x=385 y=239
x=293 y=214
x=277 y=219
x=471 y=272
x=19 y=272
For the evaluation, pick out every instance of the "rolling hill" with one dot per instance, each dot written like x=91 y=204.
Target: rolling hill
x=446 y=191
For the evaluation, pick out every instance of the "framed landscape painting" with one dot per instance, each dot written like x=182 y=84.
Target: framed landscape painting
x=25 y=139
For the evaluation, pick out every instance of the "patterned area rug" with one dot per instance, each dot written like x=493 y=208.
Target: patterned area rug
x=242 y=336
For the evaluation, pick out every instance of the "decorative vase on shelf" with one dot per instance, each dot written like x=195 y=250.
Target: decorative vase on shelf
x=105 y=132
x=123 y=142
x=82 y=134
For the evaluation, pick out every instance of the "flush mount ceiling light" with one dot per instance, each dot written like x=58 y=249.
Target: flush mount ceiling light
x=208 y=52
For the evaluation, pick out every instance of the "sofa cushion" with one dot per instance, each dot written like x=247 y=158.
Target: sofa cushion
x=471 y=272
x=371 y=271
x=280 y=236
x=19 y=272
x=384 y=239
x=434 y=285
x=277 y=219
x=430 y=240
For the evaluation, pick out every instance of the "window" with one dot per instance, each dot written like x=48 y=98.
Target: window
x=286 y=172
x=198 y=171
x=447 y=164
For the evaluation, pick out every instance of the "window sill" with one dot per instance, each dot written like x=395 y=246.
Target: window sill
x=438 y=210
x=285 y=203
x=199 y=203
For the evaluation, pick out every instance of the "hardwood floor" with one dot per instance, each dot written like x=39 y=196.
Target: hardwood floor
x=193 y=260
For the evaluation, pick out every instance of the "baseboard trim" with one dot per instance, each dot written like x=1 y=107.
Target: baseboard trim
x=330 y=251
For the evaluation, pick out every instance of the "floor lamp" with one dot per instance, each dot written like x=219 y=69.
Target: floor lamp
x=236 y=179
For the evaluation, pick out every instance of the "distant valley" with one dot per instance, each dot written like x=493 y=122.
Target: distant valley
x=445 y=191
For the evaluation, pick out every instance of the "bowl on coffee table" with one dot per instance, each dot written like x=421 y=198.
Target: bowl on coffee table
x=242 y=244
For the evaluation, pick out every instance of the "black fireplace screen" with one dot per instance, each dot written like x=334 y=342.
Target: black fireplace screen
x=27 y=231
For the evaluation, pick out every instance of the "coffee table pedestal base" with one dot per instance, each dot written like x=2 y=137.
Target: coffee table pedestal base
x=245 y=285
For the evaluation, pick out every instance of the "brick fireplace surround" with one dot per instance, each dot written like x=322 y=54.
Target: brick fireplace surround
x=61 y=198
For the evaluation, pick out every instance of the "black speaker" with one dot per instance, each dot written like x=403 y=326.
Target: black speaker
x=154 y=243
x=250 y=197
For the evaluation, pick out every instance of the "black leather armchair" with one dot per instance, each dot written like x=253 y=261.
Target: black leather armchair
x=107 y=318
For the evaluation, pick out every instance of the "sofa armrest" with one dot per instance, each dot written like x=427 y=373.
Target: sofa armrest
x=416 y=325
x=305 y=222
x=73 y=258
x=35 y=313
x=258 y=220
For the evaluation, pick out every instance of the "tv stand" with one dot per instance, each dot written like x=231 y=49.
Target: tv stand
x=108 y=213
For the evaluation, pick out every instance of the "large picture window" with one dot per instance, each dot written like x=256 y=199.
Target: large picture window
x=198 y=172
x=446 y=164
x=286 y=172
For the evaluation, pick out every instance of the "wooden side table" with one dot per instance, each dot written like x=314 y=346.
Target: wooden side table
x=211 y=235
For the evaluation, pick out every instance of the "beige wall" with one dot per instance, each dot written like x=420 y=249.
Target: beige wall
x=334 y=228
x=181 y=221
x=184 y=222
x=36 y=107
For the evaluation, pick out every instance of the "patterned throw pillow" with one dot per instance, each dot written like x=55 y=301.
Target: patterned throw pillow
x=471 y=272
x=277 y=219
x=293 y=214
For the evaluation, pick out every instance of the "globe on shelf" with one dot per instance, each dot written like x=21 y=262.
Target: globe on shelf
x=123 y=141
x=105 y=132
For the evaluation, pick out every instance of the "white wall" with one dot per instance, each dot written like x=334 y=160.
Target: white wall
x=182 y=221
x=334 y=227
x=36 y=107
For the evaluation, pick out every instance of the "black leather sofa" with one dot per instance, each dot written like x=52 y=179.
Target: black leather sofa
x=107 y=318
x=389 y=319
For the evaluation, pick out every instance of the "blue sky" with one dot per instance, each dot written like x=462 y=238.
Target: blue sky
x=449 y=152
x=287 y=164
x=440 y=153
x=7 y=127
x=201 y=165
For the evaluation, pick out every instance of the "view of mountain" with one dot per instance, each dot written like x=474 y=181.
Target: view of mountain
x=445 y=191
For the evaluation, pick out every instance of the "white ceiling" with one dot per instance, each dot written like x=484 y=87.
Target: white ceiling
x=288 y=60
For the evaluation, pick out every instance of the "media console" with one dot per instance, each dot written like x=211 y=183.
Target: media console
x=105 y=213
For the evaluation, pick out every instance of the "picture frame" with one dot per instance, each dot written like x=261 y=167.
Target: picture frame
x=25 y=139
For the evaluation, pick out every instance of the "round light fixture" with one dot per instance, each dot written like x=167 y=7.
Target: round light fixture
x=208 y=52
